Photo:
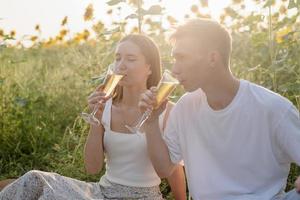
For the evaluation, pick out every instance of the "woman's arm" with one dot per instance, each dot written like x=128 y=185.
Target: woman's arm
x=94 y=151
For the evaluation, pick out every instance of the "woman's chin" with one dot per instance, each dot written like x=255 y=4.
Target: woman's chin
x=123 y=83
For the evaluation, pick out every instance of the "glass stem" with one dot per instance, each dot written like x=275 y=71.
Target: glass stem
x=144 y=117
x=96 y=109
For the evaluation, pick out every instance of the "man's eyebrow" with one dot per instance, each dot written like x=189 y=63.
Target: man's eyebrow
x=176 y=53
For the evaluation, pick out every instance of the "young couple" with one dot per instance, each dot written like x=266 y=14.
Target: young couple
x=235 y=138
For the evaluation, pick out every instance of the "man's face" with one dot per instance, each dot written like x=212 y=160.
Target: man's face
x=191 y=66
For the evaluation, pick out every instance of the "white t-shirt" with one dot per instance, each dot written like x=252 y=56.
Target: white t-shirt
x=127 y=160
x=241 y=152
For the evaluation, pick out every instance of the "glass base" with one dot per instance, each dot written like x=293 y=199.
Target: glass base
x=90 y=119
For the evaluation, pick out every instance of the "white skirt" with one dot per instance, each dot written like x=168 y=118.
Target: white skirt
x=38 y=185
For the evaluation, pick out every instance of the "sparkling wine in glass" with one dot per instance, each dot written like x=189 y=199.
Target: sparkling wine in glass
x=110 y=82
x=165 y=86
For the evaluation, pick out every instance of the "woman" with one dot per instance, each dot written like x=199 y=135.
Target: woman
x=129 y=172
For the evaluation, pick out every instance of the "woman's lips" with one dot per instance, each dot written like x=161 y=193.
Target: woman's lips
x=181 y=81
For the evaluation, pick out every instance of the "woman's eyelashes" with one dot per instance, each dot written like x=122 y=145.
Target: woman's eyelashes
x=131 y=60
x=126 y=59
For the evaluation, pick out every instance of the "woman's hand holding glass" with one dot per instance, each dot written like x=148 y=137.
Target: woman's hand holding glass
x=102 y=93
x=96 y=102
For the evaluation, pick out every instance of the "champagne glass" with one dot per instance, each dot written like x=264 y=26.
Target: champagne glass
x=165 y=86
x=110 y=82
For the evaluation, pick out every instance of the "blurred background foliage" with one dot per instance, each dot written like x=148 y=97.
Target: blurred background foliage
x=44 y=87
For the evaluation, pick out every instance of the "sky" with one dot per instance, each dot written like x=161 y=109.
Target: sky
x=23 y=15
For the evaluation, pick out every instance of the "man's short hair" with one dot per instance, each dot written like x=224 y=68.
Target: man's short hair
x=207 y=33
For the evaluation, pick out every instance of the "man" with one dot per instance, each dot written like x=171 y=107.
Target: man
x=237 y=139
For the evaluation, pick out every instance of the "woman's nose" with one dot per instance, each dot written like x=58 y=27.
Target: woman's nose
x=120 y=66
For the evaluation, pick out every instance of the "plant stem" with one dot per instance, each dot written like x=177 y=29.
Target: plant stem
x=271 y=48
x=270 y=34
x=139 y=16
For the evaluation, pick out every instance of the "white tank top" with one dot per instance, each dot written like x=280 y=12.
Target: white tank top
x=127 y=160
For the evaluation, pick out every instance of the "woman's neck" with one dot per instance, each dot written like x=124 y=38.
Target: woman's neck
x=131 y=96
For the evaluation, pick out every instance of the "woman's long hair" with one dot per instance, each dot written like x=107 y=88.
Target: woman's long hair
x=150 y=51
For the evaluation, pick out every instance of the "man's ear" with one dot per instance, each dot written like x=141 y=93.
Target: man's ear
x=214 y=56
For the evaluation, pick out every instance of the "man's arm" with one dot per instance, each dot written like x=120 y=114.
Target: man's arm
x=287 y=134
x=158 y=150
x=177 y=183
x=297 y=184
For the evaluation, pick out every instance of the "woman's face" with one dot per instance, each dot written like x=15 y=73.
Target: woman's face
x=130 y=61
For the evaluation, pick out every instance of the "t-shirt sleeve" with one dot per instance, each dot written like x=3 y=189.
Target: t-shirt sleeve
x=287 y=135
x=171 y=139
x=161 y=121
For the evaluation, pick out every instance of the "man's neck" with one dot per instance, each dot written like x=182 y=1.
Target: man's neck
x=221 y=91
